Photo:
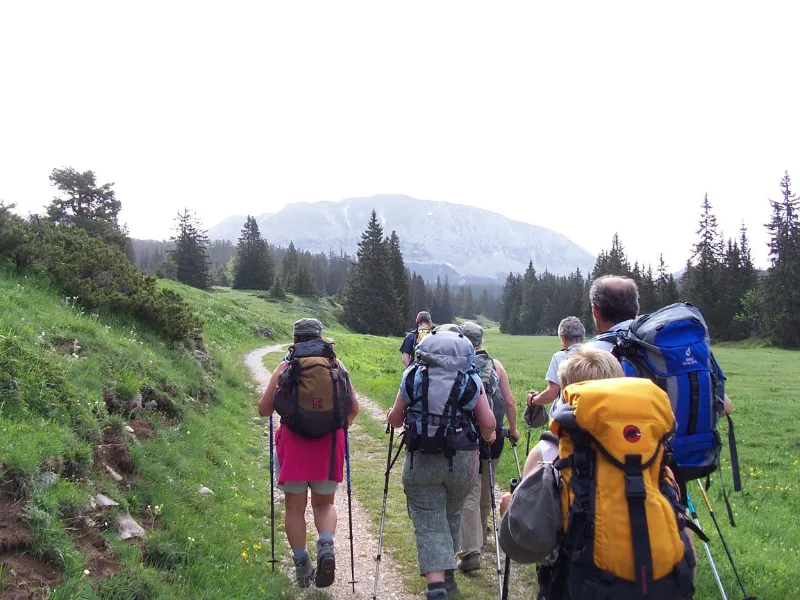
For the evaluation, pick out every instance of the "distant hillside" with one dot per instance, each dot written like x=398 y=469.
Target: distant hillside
x=438 y=238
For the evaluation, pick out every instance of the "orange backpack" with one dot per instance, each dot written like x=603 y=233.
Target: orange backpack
x=624 y=526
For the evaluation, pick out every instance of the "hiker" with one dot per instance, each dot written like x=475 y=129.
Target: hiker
x=582 y=364
x=412 y=340
x=534 y=519
x=615 y=304
x=440 y=465
x=478 y=504
x=571 y=331
x=305 y=462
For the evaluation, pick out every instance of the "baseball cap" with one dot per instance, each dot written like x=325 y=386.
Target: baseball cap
x=308 y=326
x=473 y=332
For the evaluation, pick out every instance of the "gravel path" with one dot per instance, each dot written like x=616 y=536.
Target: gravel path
x=366 y=544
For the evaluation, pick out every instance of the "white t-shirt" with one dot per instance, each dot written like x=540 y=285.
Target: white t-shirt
x=558 y=358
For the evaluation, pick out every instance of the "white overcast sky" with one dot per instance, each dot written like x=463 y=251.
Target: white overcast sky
x=585 y=117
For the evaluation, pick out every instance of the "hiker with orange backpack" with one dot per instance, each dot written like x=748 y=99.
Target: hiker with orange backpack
x=413 y=339
x=312 y=393
x=602 y=515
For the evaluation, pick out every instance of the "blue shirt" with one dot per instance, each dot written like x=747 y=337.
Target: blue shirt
x=407 y=346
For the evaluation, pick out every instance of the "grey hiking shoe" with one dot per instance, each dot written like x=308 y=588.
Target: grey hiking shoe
x=304 y=571
x=471 y=562
x=439 y=594
x=326 y=565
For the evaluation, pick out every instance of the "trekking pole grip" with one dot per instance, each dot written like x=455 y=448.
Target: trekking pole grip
x=514 y=484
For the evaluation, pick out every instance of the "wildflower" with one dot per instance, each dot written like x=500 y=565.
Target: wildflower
x=86 y=571
x=244 y=554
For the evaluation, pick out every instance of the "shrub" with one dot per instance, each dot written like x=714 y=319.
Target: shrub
x=103 y=279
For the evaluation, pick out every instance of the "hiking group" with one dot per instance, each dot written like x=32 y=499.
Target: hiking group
x=602 y=505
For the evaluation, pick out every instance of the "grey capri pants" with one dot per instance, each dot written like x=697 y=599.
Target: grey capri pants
x=435 y=499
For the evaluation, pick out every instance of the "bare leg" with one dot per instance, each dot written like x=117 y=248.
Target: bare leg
x=324 y=512
x=296 y=519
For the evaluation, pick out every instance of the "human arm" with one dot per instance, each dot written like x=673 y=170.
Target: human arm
x=727 y=406
x=354 y=399
x=508 y=398
x=545 y=397
x=484 y=418
x=265 y=407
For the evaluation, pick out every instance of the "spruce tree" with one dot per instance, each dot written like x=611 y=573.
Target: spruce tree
x=530 y=305
x=782 y=297
x=701 y=280
x=277 y=291
x=470 y=306
x=190 y=253
x=399 y=280
x=613 y=262
x=483 y=303
x=370 y=303
x=304 y=284
x=290 y=267
x=253 y=268
x=446 y=309
x=666 y=291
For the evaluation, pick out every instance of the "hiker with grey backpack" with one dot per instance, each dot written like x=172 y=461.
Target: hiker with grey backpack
x=479 y=504
x=444 y=412
x=312 y=393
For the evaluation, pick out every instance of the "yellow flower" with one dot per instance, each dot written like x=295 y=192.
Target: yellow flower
x=244 y=555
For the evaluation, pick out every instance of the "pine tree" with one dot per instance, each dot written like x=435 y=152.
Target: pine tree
x=782 y=292
x=510 y=304
x=701 y=280
x=254 y=269
x=445 y=303
x=277 y=291
x=666 y=291
x=483 y=303
x=87 y=205
x=613 y=262
x=647 y=292
x=190 y=253
x=470 y=310
x=370 y=303
x=304 y=284
x=290 y=267
x=399 y=280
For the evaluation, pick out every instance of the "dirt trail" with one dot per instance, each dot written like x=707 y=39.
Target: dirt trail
x=366 y=544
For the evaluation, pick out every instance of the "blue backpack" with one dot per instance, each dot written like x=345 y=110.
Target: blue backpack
x=672 y=348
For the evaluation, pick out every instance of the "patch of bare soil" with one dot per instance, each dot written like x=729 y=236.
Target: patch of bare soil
x=13 y=533
x=26 y=577
x=142 y=429
x=113 y=453
x=101 y=560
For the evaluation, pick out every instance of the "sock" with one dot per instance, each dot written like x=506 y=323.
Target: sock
x=326 y=537
x=436 y=586
x=299 y=553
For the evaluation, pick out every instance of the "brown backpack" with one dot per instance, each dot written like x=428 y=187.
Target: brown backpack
x=312 y=396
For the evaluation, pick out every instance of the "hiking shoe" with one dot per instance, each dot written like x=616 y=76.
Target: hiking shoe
x=439 y=594
x=450 y=585
x=326 y=565
x=471 y=562
x=304 y=571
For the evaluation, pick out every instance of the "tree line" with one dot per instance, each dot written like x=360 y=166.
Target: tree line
x=719 y=278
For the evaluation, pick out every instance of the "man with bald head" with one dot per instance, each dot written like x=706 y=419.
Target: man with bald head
x=615 y=304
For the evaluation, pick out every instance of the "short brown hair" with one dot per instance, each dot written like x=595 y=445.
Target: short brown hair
x=585 y=363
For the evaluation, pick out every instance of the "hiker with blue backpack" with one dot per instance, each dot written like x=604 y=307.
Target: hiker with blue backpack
x=672 y=348
x=445 y=413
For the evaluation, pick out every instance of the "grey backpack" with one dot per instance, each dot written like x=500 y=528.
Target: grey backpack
x=440 y=389
x=491 y=382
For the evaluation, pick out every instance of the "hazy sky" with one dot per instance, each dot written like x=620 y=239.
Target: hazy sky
x=583 y=117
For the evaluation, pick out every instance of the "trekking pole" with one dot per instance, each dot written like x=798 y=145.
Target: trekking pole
x=271 y=496
x=507 y=573
x=390 y=431
x=724 y=545
x=693 y=512
x=494 y=519
x=516 y=455
x=350 y=511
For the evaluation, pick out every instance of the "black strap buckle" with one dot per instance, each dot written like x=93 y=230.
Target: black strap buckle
x=634 y=488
